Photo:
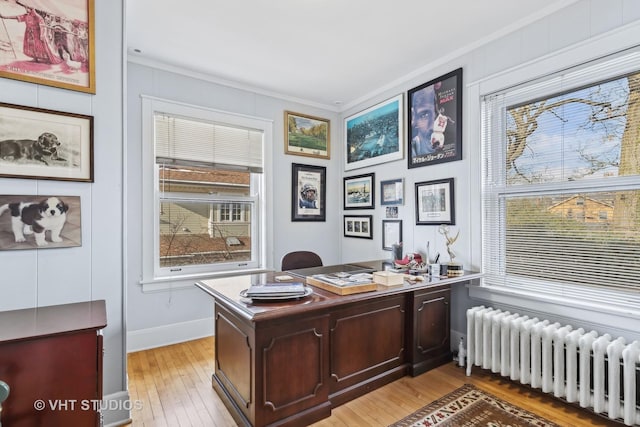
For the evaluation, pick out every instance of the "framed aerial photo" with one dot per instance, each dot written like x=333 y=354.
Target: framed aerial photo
x=306 y=135
x=435 y=121
x=49 y=42
x=374 y=135
x=54 y=222
x=392 y=192
x=435 y=202
x=308 y=192
x=358 y=226
x=45 y=144
x=391 y=233
x=359 y=192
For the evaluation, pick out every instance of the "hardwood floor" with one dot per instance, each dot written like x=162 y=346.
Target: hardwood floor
x=173 y=386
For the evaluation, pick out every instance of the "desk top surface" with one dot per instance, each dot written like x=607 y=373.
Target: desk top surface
x=28 y=323
x=227 y=290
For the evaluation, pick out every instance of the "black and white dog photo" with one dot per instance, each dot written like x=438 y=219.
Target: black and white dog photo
x=37 y=218
x=43 y=150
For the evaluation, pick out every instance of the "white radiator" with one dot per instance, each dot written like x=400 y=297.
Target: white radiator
x=568 y=362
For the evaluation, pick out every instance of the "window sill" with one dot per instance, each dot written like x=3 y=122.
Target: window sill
x=162 y=284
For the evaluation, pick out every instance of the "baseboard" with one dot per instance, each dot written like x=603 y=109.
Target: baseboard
x=117 y=409
x=144 y=339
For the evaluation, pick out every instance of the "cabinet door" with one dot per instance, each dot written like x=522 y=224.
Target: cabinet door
x=431 y=329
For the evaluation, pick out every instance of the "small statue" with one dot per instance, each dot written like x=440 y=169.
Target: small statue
x=444 y=230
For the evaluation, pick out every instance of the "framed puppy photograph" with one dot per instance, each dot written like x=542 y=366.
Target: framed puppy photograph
x=45 y=144
x=39 y=222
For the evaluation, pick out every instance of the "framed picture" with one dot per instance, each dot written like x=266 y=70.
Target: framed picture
x=308 y=192
x=58 y=227
x=391 y=233
x=49 y=42
x=392 y=192
x=359 y=191
x=435 y=202
x=358 y=226
x=45 y=144
x=306 y=135
x=374 y=135
x=435 y=121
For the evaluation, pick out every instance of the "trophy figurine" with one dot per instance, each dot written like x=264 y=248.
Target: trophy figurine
x=454 y=268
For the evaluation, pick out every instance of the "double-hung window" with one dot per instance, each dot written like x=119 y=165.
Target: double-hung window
x=561 y=182
x=205 y=190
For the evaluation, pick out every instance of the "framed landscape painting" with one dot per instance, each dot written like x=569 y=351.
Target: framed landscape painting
x=374 y=135
x=49 y=42
x=435 y=121
x=306 y=135
x=359 y=191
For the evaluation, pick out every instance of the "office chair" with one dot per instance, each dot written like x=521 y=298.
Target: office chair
x=300 y=259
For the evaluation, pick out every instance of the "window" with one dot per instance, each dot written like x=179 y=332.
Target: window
x=561 y=185
x=204 y=178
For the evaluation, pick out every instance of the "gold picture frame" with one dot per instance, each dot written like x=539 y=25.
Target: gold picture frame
x=51 y=43
x=306 y=135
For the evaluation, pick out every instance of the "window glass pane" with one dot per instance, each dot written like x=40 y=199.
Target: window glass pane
x=191 y=234
x=585 y=238
x=194 y=180
x=573 y=136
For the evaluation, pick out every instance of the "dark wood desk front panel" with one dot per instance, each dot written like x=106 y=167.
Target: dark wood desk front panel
x=288 y=363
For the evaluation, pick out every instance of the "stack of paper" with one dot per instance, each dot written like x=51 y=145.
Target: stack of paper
x=292 y=289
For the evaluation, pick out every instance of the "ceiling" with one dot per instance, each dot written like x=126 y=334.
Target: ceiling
x=330 y=53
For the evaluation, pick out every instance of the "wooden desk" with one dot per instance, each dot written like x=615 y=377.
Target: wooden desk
x=52 y=356
x=289 y=363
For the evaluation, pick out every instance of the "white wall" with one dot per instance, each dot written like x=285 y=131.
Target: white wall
x=93 y=271
x=579 y=22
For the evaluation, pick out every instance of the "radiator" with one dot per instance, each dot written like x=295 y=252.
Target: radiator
x=598 y=372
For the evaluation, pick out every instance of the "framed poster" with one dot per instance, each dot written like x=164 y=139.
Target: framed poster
x=358 y=226
x=306 y=135
x=435 y=121
x=359 y=192
x=47 y=222
x=392 y=192
x=374 y=135
x=45 y=144
x=391 y=233
x=49 y=42
x=308 y=192
x=435 y=202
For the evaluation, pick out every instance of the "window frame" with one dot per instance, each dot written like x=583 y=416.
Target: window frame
x=153 y=276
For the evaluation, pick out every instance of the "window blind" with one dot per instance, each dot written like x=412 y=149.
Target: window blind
x=190 y=142
x=561 y=186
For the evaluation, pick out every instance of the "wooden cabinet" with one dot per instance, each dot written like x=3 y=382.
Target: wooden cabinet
x=430 y=328
x=51 y=357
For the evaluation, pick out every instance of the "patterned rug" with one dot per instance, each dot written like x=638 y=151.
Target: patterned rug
x=470 y=406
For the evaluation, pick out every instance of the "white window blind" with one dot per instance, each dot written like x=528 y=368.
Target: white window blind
x=561 y=179
x=190 y=142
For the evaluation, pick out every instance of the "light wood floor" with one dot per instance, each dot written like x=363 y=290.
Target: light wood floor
x=173 y=386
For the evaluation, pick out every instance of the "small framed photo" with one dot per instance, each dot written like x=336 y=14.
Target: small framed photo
x=359 y=192
x=435 y=202
x=308 y=192
x=392 y=192
x=358 y=226
x=435 y=121
x=49 y=42
x=306 y=135
x=45 y=144
x=375 y=135
x=391 y=233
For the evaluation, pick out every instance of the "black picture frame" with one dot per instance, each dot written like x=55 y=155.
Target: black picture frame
x=435 y=202
x=391 y=233
x=305 y=178
x=434 y=121
x=392 y=192
x=359 y=191
x=359 y=226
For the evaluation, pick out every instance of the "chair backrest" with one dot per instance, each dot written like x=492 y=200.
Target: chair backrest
x=300 y=259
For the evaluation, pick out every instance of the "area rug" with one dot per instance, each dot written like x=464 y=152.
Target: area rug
x=470 y=406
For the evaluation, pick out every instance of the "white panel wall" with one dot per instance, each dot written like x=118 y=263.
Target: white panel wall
x=36 y=278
